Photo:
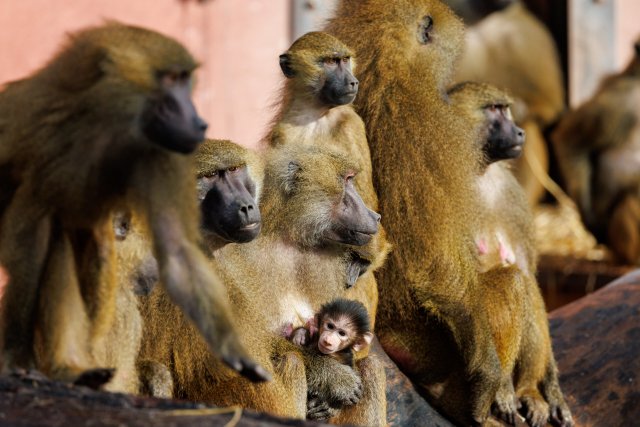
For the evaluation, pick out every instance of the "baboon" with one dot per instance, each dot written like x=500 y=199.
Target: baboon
x=228 y=182
x=316 y=109
x=506 y=249
x=513 y=50
x=297 y=259
x=106 y=124
x=137 y=274
x=228 y=190
x=339 y=330
x=597 y=147
x=430 y=319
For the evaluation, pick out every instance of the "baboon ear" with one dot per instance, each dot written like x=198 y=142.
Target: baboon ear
x=364 y=342
x=291 y=177
x=285 y=65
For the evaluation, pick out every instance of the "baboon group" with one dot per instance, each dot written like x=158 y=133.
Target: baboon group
x=143 y=258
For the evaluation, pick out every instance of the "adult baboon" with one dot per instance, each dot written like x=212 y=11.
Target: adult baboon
x=506 y=249
x=423 y=170
x=106 y=124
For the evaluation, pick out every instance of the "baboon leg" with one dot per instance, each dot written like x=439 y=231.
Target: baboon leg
x=63 y=320
x=371 y=410
x=24 y=244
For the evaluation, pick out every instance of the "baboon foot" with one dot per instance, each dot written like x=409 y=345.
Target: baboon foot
x=535 y=410
x=505 y=407
x=94 y=378
x=560 y=415
x=319 y=410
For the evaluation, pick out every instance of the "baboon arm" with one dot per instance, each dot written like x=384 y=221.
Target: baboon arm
x=24 y=246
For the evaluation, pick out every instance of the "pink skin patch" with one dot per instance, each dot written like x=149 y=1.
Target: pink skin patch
x=483 y=247
x=401 y=357
x=506 y=254
x=312 y=326
x=287 y=330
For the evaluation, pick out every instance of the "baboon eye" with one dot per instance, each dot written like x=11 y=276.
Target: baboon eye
x=233 y=169
x=342 y=333
x=346 y=59
x=425 y=30
x=330 y=326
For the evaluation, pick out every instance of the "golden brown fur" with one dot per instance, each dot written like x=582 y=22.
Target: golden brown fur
x=597 y=146
x=517 y=315
x=71 y=137
x=429 y=318
x=137 y=273
x=303 y=119
x=281 y=262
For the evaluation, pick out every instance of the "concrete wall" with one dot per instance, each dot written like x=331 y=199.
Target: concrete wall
x=238 y=43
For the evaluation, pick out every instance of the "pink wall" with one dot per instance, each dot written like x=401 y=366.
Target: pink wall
x=627 y=30
x=238 y=43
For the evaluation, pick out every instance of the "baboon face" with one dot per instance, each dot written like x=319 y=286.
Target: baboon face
x=352 y=222
x=316 y=203
x=170 y=118
x=228 y=204
x=505 y=140
x=323 y=66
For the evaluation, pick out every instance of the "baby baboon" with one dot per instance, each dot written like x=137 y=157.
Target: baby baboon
x=516 y=309
x=338 y=330
x=428 y=206
x=597 y=146
x=316 y=110
x=106 y=124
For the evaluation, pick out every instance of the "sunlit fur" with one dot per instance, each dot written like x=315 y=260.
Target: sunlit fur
x=429 y=318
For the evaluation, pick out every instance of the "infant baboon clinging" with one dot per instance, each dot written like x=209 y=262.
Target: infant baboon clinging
x=339 y=329
x=106 y=124
x=597 y=146
x=506 y=250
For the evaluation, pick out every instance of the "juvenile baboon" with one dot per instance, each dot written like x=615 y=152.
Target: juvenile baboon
x=106 y=124
x=506 y=249
x=299 y=260
x=340 y=329
x=512 y=49
x=430 y=320
x=316 y=109
x=597 y=147
x=137 y=274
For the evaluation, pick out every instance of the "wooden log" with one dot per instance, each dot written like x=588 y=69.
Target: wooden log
x=597 y=345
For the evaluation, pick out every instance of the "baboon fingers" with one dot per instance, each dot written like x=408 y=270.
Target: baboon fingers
x=247 y=368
